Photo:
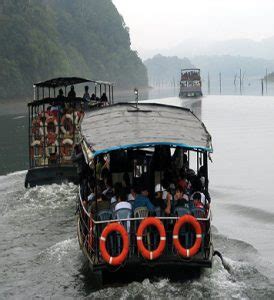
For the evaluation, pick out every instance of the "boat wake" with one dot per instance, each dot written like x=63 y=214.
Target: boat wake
x=40 y=256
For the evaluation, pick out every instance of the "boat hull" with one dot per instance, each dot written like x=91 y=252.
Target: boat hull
x=50 y=175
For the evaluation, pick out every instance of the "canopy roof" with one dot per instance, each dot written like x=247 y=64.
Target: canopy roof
x=122 y=126
x=66 y=81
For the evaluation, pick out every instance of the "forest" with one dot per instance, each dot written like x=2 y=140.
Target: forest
x=41 y=39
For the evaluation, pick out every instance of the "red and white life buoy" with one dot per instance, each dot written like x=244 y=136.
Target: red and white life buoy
x=67 y=126
x=51 y=138
x=51 y=121
x=151 y=221
x=187 y=219
x=66 y=149
x=116 y=260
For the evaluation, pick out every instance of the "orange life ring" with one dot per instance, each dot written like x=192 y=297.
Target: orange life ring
x=151 y=221
x=117 y=260
x=67 y=151
x=198 y=230
x=51 y=120
x=67 y=126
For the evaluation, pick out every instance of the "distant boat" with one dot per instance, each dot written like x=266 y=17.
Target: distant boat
x=191 y=83
x=54 y=127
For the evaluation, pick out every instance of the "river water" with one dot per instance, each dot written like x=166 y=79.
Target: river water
x=39 y=252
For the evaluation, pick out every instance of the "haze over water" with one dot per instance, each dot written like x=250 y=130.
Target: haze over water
x=40 y=255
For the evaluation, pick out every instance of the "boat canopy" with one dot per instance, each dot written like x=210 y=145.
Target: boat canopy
x=123 y=126
x=67 y=81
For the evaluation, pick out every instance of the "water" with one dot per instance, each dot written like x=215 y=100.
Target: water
x=40 y=256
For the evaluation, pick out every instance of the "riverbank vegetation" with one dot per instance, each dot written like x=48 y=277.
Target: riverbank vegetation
x=40 y=39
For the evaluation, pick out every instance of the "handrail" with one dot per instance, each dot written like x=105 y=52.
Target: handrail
x=81 y=200
x=136 y=219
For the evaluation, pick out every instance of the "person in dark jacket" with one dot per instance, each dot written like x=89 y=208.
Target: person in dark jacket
x=142 y=199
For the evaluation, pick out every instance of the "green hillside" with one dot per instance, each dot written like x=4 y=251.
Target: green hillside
x=40 y=39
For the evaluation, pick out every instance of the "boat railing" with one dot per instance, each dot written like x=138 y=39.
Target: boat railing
x=91 y=231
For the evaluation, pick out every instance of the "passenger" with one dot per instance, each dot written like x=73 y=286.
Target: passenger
x=131 y=195
x=71 y=94
x=118 y=187
x=86 y=96
x=101 y=203
x=93 y=97
x=160 y=201
x=199 y=200
x=180 y=198
x=122 y=202
x=104 y=98
x=60 y=98
x=142 y=200
x=108 y=191
x=182 y=182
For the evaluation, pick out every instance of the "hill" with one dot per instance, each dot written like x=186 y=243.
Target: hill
x=165 y=69
x=40 y=39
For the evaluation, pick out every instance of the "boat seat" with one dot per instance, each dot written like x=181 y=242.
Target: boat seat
x=141 y=212
x=104 y=215
x=181 y=211
x=123 y=213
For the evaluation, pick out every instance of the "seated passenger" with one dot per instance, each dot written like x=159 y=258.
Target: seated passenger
x=199 y=200
x=132 y=195
x=86 y=96
x=142 y=200
x=108 y=191
x=101 y=203
x=122 y=202
x=180 y=198
x=93 y=97
x=160 y=201
x=71 y=94
x=104 y=98
x=118 y=187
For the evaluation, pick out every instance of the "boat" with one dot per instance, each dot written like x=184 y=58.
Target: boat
x=190 y=83
x=55 y=115
x=144 y=145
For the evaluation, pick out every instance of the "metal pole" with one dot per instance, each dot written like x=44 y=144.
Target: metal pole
x=208 y=84
x=112 y=94
x=220 y=79
x=262 y=82
x=240 y=81
x=266 y=81
x=206 y=171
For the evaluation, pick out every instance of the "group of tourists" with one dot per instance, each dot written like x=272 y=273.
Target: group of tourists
x=188 y=192
x=191 y=75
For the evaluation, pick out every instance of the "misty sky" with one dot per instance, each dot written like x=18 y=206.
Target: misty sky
x=163 y=24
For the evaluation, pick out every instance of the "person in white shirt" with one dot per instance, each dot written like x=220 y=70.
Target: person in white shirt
x=122 y=203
